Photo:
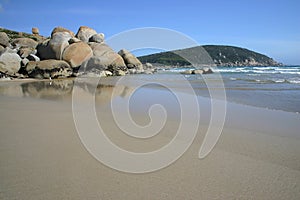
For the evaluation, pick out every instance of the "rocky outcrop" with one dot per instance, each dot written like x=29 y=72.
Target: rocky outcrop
x=63 y=55
x=48 y=69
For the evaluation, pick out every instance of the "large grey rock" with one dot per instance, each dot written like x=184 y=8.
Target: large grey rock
x=44 y=50
x=100 y=49
x=97 y=62
x=105 y=58
x=54 y=47
x=130 y=60
x=84 y=33
x=58 y=42
x=4 y=39
x=24 y=42
x=99 y=38
x=48 y=69
x=76 y=53
x=10 y=63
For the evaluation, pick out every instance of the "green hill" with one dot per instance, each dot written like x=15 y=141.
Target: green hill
x=210 y=55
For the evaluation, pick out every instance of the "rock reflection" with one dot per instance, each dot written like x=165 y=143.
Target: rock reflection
x=62 y=90
x=52 y=90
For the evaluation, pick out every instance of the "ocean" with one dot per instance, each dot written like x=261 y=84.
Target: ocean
x=275 y=88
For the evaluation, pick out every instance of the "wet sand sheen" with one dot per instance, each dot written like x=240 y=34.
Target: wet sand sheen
x=257 y=156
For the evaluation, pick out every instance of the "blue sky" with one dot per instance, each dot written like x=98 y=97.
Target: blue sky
x=271 y=27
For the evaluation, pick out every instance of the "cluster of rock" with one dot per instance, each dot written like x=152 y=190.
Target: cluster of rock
x=65 y=54
x=205 y=70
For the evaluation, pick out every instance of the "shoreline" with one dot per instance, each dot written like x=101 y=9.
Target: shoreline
x=131 y=82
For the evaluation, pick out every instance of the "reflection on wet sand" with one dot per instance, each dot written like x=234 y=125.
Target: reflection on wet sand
x=48 y=90
x=62 y=90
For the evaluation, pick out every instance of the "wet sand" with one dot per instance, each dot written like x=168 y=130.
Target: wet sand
x=42 y=157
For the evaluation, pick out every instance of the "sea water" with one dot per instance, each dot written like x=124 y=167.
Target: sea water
x=276 y=88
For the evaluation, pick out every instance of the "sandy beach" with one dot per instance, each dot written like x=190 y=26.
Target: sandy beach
x=42 y=157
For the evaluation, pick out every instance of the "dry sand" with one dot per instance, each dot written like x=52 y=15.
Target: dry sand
x=42 y=157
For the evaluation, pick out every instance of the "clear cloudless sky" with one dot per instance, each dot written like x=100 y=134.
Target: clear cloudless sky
x=271 y=27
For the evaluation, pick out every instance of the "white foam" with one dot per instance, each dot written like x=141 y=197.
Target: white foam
x=294 y=81
x=279 y=81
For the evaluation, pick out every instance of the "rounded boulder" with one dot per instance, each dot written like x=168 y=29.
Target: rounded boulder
x=76 y=53
x=48 y=69
x=130 y=60
x=10 y=63
x=58 y=42
x=84 y=33
x=24 y=42
x=97 y=38
x=62 y=29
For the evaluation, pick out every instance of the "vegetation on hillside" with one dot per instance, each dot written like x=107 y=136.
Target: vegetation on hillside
x=220 y=56
x=14 y=34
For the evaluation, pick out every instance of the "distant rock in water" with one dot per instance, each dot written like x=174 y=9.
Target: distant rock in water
x=215 y=55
